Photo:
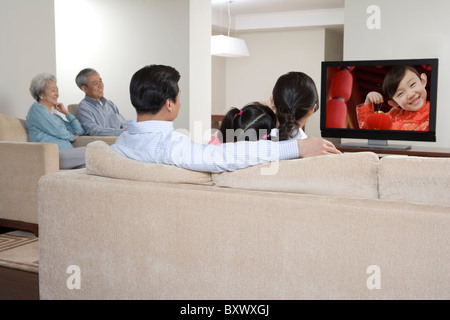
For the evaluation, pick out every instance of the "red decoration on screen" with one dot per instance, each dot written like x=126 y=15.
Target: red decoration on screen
x=379 y=121
x=340 y=92
x=341 y=86
x=336 y=113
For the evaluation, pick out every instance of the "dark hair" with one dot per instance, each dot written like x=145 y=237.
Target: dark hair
x=151 y=86
x=294 y=94
x=394 y=77
x=253 y=122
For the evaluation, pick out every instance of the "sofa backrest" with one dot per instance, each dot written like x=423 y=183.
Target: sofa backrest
x=346 y=175
x=343 y=175
x=12 y=129
x=415 y=179
x=72 y=108
x=102 y=160
x=350 y=175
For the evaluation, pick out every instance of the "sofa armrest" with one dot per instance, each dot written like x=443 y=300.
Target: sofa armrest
x=83 y=141
x=22 y=165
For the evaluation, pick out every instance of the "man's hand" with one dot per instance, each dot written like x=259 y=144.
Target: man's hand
x=313 y=146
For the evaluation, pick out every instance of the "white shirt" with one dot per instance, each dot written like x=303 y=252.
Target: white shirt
x=300 y=135
x=157 y=142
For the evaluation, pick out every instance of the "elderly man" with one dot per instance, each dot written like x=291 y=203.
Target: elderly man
x=99 y=116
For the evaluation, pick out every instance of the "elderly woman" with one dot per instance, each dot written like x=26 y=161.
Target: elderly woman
x=45 y=126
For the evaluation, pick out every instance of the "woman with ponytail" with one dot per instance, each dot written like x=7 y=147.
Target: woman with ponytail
x=294 y=99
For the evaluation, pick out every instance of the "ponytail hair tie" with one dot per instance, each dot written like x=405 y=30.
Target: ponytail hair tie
x=240 y=113
x=265 y=136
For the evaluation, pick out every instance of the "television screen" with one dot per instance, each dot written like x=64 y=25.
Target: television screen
x=379 y=100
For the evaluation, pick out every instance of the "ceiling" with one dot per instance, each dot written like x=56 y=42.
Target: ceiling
x=253 y=15
x=239 y=7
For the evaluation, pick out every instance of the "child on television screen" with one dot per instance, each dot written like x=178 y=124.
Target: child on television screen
x=406 y=91
x=254 y=121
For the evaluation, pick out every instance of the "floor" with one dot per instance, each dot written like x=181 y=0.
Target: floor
x=17 y=284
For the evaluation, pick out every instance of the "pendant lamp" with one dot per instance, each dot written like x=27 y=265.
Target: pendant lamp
x=226 y=46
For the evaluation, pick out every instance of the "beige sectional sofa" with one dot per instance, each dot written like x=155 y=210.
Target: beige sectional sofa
x=348 y=226
x=22 y=164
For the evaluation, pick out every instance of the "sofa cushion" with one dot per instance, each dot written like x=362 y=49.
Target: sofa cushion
x=12 y=129
x=102 y=160
x=346 y=175
x=415 y=179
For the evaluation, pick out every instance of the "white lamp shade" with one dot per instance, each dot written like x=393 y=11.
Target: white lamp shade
x=224 y=46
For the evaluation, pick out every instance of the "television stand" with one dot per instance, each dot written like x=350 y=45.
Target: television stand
x=413 y=151
x=376 y=144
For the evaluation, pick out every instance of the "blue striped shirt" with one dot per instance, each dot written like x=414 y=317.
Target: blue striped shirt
x=158 y=142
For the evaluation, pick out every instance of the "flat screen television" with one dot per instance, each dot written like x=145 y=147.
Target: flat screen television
x=379 y=100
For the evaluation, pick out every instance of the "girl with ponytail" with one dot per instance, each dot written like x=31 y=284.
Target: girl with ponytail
x=254 y=121
x=294 y=99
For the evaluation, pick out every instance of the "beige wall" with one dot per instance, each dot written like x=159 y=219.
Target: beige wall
x=200 y=70
x=115 y=37
x=219 y=85
x=409 y=29
x=273 y=53
x=27 y=47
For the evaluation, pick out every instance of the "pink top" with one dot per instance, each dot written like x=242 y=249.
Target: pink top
x=214 y=140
